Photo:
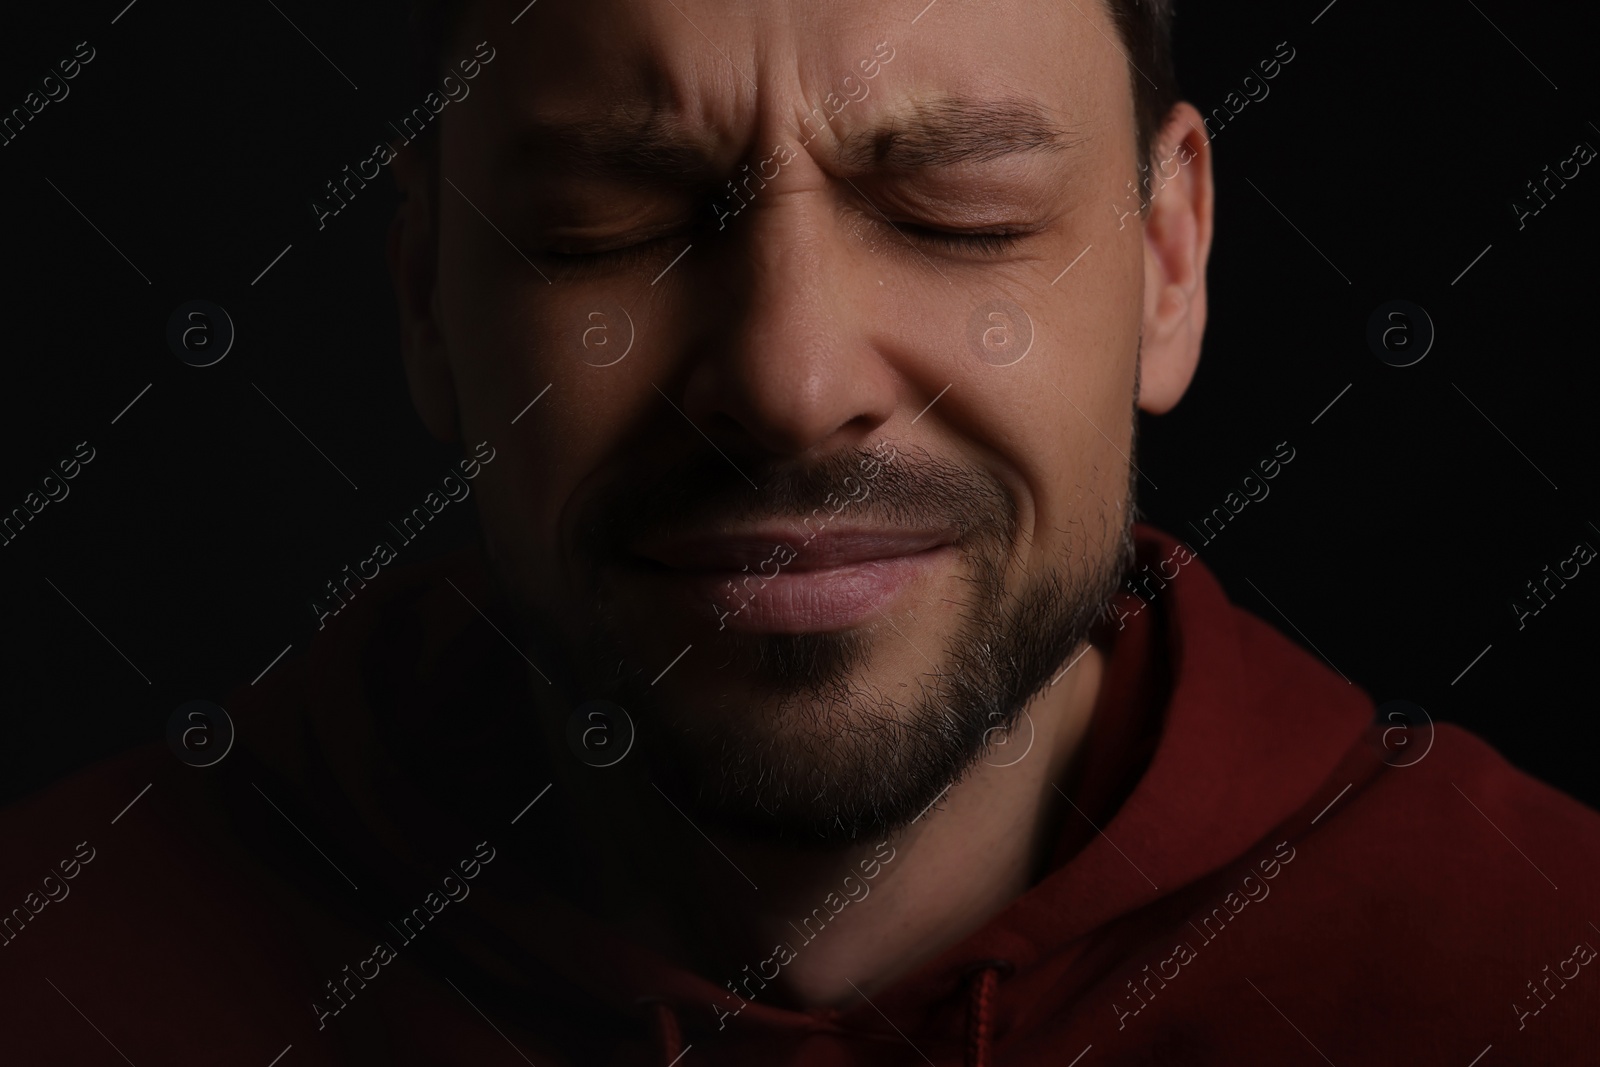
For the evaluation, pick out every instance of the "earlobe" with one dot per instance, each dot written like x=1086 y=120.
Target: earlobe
x=413 y=253
x=1177 y=244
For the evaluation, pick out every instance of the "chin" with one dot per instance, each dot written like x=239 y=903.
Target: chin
x=825 y=740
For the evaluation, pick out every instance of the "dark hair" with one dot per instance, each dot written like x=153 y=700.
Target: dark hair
x=1145 y=27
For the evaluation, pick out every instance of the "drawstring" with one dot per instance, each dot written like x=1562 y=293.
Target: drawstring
x=669 y=1038
x=981 y=995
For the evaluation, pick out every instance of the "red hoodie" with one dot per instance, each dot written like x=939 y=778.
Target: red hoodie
x=362 y=881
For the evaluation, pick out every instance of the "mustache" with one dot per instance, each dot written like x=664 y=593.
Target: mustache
x=884 y=486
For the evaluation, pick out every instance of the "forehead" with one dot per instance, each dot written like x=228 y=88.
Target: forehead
x=724 y=72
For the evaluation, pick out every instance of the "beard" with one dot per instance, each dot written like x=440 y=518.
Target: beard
x=791 y=739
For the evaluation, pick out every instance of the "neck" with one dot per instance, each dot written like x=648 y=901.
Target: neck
x=804 y=928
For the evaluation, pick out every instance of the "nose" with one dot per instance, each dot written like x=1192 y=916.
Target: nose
x=788 y=366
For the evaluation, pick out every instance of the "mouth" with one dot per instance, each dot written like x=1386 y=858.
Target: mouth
x=768 y=580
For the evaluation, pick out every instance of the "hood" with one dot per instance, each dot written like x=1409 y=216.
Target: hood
x=404 y=736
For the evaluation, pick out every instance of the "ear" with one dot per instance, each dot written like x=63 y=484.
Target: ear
x=413 y=268
x=1177 y=243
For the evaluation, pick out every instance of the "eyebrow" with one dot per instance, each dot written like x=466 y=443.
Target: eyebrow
x=621 y=145
x=952 y=130
x=938 y=133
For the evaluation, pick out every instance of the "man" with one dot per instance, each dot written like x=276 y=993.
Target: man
x=813 y=698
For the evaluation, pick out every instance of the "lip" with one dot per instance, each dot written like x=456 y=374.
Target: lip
x=767 y=580
x=731 y=552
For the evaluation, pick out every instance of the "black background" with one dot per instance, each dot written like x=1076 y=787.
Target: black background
x=1395 y=141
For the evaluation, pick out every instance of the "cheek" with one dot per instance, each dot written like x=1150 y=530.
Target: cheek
x=585 y=363
x=1081 y=456
x=1073 y=413
x=1041 y=376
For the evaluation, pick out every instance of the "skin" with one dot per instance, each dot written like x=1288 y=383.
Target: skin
x=808 y=324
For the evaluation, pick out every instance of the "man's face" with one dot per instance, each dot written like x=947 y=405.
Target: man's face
x=848 y=430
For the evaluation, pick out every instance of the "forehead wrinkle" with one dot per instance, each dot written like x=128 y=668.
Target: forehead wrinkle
x=952 y=130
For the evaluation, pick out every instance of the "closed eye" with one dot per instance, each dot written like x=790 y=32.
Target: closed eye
x=986 y=242
x=578 y=259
